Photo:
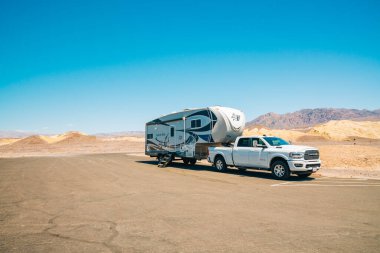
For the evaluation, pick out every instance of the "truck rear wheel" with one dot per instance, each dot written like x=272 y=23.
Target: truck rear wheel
x=186 y=161
x=280 y=170
x=220 y=164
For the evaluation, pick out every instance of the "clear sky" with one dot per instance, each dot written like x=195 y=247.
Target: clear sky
x=104 y=66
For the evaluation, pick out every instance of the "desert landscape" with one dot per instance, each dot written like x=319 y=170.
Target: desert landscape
x=90 y=90
x=350 y=147
x=70 y=143
x=75 y=192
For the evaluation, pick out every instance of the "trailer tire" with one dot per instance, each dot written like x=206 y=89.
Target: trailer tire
x=220 y=164
x=280 y=170
x=193 y=161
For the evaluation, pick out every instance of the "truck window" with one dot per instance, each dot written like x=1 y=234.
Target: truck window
x=259 y=141
x=195 y=123
x=149 y=136
x=275 y=141
x=245 y=142
x=171 y=131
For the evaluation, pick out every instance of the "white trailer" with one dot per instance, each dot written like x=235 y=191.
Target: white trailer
x=189 y=133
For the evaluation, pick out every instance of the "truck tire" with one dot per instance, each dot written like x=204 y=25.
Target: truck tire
x=193 y=161
x=220 y=164
x=280 y=170
x=304 y=175
x=186 y=161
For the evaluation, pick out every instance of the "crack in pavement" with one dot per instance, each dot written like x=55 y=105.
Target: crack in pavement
x=106 y=243
x=115 y=233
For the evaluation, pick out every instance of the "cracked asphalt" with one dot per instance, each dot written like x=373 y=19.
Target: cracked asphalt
x=121 y=203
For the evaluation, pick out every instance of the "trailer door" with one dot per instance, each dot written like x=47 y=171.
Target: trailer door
x=172 y=138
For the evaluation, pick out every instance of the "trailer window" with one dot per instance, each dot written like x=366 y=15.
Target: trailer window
x=149 y=136
x=171 y=131
x=245 y=142
x=195 y=123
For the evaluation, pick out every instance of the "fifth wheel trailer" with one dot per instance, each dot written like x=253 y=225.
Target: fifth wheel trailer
x=189 y=133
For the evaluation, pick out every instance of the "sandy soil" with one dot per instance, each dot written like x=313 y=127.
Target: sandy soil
x=349 y=160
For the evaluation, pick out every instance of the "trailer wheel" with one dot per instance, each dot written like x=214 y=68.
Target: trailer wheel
x=220 y=164
x=186 y=161
x=193 y=161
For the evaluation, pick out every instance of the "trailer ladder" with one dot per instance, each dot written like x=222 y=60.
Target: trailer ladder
x=164 y=160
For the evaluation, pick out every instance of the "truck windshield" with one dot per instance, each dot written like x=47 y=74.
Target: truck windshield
x=275 y=141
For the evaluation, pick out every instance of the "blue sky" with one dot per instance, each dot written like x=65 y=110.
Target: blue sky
x=104 y=66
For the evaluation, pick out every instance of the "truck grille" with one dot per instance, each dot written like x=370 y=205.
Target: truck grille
x=311 y=155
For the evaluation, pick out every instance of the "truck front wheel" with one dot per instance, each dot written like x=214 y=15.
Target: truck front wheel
x=280 y=170
x=220 y=164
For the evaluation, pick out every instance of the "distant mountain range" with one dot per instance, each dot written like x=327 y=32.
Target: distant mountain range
x=15 y=134
x=119 y=134
x=22 y=134
x=311 y=117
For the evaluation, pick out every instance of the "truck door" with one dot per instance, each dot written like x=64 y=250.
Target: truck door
x=257 y=155
x=241 y=152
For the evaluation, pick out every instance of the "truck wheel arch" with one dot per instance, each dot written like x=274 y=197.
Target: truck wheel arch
x=218 y=155
x=277 y=158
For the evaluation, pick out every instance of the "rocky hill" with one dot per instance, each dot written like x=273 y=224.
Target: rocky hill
x=311 y=117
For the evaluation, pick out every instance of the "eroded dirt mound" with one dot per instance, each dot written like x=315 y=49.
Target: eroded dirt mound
x=6 y=141
x=346 y=129
x=74 y=137
x=31 y=140
x=289 y=135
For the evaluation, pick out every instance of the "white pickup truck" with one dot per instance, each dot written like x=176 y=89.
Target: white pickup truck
x=267 y=153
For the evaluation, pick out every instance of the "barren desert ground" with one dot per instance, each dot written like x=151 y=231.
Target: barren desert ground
x=125 y=203
x=342 y=155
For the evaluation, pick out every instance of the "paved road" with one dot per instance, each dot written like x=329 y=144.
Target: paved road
x=119 y=203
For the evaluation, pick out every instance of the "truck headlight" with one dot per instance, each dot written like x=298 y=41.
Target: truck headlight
x=296 y=155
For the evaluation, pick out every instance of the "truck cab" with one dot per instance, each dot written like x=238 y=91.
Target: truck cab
x=267 y=153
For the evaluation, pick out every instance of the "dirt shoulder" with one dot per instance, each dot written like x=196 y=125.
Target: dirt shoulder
x=355 y=161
